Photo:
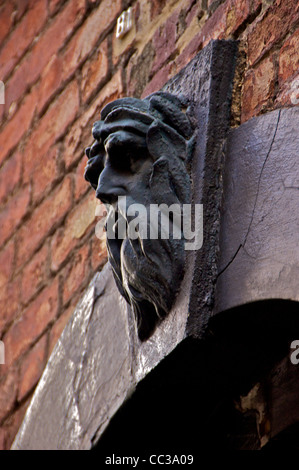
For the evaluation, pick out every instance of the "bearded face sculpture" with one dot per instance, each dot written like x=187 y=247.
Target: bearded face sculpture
x=140 y=155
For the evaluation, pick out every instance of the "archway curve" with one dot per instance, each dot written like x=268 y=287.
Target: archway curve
x=188 y=402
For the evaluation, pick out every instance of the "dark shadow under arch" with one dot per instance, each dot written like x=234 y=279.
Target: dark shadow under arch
x=288 y=439
x=187 y=403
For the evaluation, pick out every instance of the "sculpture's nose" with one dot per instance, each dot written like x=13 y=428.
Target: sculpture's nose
x=110 y=187
x=107 y=195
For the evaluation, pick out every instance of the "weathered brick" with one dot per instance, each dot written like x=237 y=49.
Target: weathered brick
x=224 y=21
x=8 y=392
x=51 y=127
x=273 y=26
x=22 y=7
x=76 y=225
x=257 y=4
x=48 y=45
x=17 y=127
x=80 y=136
x=139 y=16
x=111 y=91
x=43 y=220
x=13 y=213
x=215 y=26
x=98 y=253
x=2 y=439
x=45 y=174
x=6 y=20
x=139 y=70
x=10 y=175
x=54 y=5
x=12 y=424
x=1 y=113
x=157 y=81
x=59 y=326
x=32 y=324
x=76 y=274
x=50 y=82
x=289 y=57
x=34 y=274
x=237 y=12
x=95 y=71
x=65 y=23
x=289 y=93
x=32 y=367
x=188 y=52
x=258 y=88
x=212 y=5
x=164 y=41
x=6 y=263
x=190 y=24
x=157 y=7
x=194 y=8
x=88 y=35
x=81 y=185
x=73 y=143
x=22 y=37
x=9 y=303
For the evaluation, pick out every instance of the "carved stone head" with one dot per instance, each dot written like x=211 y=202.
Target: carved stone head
x=141 y=151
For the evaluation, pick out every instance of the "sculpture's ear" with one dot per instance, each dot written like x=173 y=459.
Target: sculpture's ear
x=161 y=184
x=163 y=140
x=160 y=172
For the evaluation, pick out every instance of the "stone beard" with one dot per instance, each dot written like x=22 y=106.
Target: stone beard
x=142 y=149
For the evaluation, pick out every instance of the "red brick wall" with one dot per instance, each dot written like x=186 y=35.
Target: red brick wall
x=60 y=63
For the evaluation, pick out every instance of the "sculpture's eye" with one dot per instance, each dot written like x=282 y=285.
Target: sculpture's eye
x=126 y=159
x=125 y=151
x=121 y=159
x=94 y=150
